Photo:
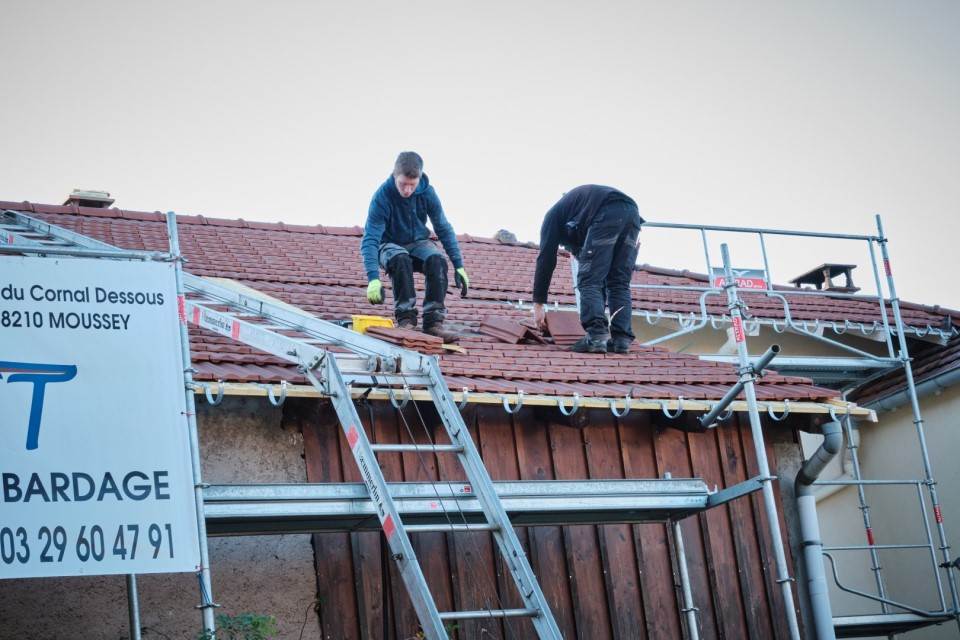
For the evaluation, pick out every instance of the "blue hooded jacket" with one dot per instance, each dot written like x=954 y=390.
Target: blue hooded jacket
x=393 y=218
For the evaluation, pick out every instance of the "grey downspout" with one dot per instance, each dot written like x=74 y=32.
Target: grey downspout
x=810 y=529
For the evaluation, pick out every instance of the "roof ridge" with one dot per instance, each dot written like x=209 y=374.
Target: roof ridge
x=357 y=231
x=200 y=219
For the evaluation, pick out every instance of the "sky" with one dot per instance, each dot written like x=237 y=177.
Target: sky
x=809 y=115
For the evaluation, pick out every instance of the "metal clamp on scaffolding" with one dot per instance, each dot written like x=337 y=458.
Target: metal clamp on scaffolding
x=749 y=373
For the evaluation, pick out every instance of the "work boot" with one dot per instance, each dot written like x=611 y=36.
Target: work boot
x=618 y=345
x=437 y=329
x=406 y=323
x=588 y=344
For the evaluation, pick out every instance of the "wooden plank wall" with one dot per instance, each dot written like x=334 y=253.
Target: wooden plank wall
x=609 y=581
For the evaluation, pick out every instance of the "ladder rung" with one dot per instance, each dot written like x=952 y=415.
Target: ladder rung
x=489 y=613
x=480 y=526
x=435 y=448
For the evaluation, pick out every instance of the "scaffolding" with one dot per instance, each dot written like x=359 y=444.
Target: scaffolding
x=887 y=622
x=251 y=510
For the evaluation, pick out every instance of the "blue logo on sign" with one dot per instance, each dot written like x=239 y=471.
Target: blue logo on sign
x=40 y=375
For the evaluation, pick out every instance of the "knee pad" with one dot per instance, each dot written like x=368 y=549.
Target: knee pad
x=435 y=264
x=400 y=263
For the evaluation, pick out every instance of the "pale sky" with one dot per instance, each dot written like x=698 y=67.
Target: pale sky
x=807 y=115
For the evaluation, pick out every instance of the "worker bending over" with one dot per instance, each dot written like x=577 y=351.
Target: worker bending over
x=600 y=226
x=396 y=238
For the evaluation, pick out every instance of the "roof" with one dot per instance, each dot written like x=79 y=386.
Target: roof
x=928 y=361
x=318 y=269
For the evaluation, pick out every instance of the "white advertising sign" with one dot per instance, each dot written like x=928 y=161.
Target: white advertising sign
x=95 y=472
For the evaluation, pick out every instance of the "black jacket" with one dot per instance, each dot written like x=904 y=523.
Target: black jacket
x=566 y=224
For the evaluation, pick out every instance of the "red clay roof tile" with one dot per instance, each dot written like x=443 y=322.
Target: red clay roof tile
x=319 y=269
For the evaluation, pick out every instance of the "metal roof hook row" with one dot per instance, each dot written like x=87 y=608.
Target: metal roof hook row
x=921 y=333
x=626 y=407
x=675 y=414
x=393 y=397
x=783 y=416
x=210 y=398
x=463 y=401
x=573 y=408
x=779 y=328
x=714 y=323
x=271 y=397
x=516 y=407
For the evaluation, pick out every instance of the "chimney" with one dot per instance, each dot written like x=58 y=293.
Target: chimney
x=86 y=198
x=821 y=278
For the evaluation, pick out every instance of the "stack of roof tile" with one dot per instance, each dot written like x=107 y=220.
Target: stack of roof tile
x=564 y=326
x=511 y=331
x=408 y=339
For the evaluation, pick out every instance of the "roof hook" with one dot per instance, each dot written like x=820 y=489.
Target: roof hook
x=675 y=414
x=393 y=398
x=723 y=417
x=782 y=416
x=463 y=402
x=573 y=409
x=686 y=323
x=626 y=407
x=779 y=328
x=272 y=398
x=213 y=400
x=516 y=407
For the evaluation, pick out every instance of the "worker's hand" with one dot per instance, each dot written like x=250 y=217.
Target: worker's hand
x=539 y=316
x=375 y=292
x=461 y=280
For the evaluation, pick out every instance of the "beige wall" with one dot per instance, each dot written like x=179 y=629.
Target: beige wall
x=889 y=449
x=242 y=441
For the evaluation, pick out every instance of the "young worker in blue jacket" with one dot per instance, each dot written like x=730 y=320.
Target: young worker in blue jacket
x=600 y=226
x=396 y=238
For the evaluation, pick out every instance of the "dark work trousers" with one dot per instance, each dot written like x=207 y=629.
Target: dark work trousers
x=400 y=261
x=605 y=266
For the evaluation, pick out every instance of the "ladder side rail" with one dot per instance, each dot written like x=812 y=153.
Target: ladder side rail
x=292 y=349
x=401 y=548
x=337 y=335
x=248 y=333
x=506 y=538
x=346 y=338
x=84 y=245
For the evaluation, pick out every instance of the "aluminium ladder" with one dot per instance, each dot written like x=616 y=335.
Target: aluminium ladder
x=331 y=357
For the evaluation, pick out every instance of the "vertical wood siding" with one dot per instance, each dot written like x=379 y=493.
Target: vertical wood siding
x=603 y=582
